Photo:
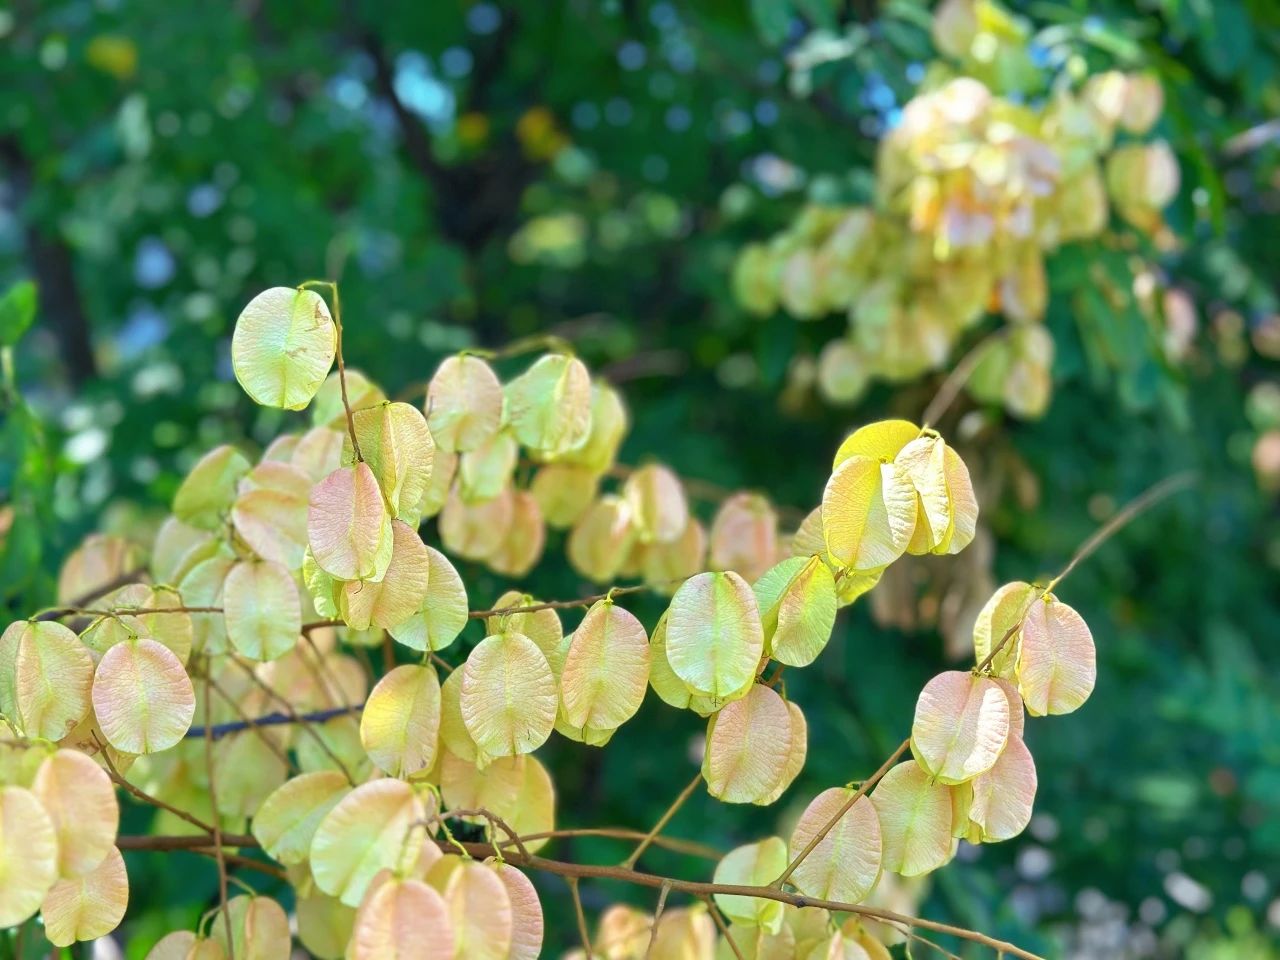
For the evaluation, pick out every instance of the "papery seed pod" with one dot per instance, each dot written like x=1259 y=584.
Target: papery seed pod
x=522 y=547
x=475 y=531
x=508 y=698
x=961 y=726
x=564 y=491
x=714 y=639
x=1057 y=662
x=89 y=906
x=262 y=609
x=609 y=424
x=402 y=918
x=658 y=504
x=283 y=347
x=259 y=929
x=209 y=489
x=400 y=723
x=549 y=405
x=1003 y=797
x=80 y=801
x=602 y=539
x=319 y=450
x=397 y=445
x=868 y=513
x=464 y=403
x=744 y=535
x=348 y=526
x=748 y=744
x=480 y=912
x=442 y=613
x=399 y=594
x=286 y=822
x=753 y=864
x=27 y=837
x=915 y=820
x=797 y=601
x=483 y=473
x=45 y=677
x=606 y=669
x=142 y=697
x=845 y=865
x=364 y=833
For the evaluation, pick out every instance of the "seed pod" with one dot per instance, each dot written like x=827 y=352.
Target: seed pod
x=259 y=929
x=868 y=513
x=142 y=697
x=364 y=833
x=348 y=527
x=744 y=535
x=961 y=726
x=400 y=723
x=89 y=906
x=393 y=599
x=464 y=403
x=442 y=613
x=475 y=531
x=797 y=601
x=915 y=820
x=262 y=609
x=402 y=918
x=286 y=822
x=508 y=698
x=397 y=445
x=714 y=639
x=1004 y=796
x=209 y=489
x=1057 y=664
x=748 y=744
x=283 y=347
x=845 y=865
x=606 y=669
x=47 y=674
x=27 y=837
x=753 y=864
x=80 y=801
x=657 y=502
x=602 y=538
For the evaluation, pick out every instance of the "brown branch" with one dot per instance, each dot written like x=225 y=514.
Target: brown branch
x=657 y=917
x=139 y=794
x=861 y=792
x=332 y=287
x=676 y=804
x=724 y=927
x=581 y=917
x=950 y=388
x=219 y=853
x=115 y=583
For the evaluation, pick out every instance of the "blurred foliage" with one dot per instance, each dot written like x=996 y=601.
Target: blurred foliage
x=475 y=172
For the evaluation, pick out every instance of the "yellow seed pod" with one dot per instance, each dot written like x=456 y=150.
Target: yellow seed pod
x=755 y=281
x=442 y=613
x=348 y=527
x=400 y=724
x=1004 y=796
x=262 y=609
x=324 y=925
x=526 y=913
x=287 y=820
x=609 y=425
x=868 y=513
x=748 y=743
x=795 y=759
x=810 y=925
x=402 y=918
x=549 y=405
x=247 y=768
x=496 y=787
x=658 y=503
x=28 y=855
x=319 y=450
x=484 y=472
x=444 y=468
x=684 y=932
x=464 y=403
x=564 y=491
x=80 y=801
x=52 y=672
x=961 y=725
x=1002 y=613
x=203 y=587
x=757 y=943
x=915 y=820
x=543 y=627
x=397 y=445
x=536 y=809
x=1057 y=663
x=714 y=639
x=364 y=833
x=475 y=531
x=753 y=865
x=601 y=540
x=522 y=548
x=480 y=912
x=330 y=410
x=845 y=865
x=209 y=489
x=1024 y=289
x=399 y=594
x=947 y=520
x=96 y=563
x=142 y=697
x=855 y=934
x=259 y=929
x=508 y=695
x=283 y=347
x=669 y=687
x=882 y=440
x=623 y=933
x=662 y=564
x=175 y=547
x=606 y=669
x=797 y=602
x=179 y=945
x=744 y=535
x=89 y=906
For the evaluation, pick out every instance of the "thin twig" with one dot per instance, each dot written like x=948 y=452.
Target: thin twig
x=115 y=583
x=724 y=927
x=140 y=794
x=220 y=730
x=332 y=287
x=676 y=804
x=582 y=917
x=253 y=725
x=950 y=388
x=657 y=918
x=861 y=792
x=219 y=853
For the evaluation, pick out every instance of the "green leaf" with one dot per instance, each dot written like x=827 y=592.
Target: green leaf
x=17 y=311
